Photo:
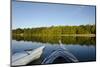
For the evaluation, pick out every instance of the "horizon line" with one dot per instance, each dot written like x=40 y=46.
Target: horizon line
x=50 y=26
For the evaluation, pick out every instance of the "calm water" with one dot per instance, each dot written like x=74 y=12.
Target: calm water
x=83 y=48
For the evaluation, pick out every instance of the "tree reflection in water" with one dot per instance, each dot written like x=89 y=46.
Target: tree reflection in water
x=55 y=39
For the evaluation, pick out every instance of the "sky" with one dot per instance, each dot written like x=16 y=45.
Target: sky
x=32 y=14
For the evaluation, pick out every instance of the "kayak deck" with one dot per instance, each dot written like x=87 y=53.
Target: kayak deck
x=62 y=54
x=26 y=58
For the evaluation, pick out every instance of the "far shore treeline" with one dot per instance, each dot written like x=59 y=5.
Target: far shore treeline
x=57 y=31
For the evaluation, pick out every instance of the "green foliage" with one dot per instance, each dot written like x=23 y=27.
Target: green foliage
x=55 y=30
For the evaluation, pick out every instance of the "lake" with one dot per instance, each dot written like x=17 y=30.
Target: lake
x=83 y=48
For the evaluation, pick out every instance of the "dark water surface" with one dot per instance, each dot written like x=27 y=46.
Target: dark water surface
x=83 y=48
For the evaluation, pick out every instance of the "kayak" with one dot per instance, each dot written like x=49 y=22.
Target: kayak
x=60 y=56
x=29 y=56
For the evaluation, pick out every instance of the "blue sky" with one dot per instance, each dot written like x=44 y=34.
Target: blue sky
x=31 y=15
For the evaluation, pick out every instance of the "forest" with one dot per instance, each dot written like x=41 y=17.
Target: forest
x=56 y=30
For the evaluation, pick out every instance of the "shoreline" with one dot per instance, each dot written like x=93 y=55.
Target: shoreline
x=73 y=35
x=81 y=35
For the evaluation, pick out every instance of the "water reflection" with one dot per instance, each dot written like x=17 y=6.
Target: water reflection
x=83 y=48
x=55 y=39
